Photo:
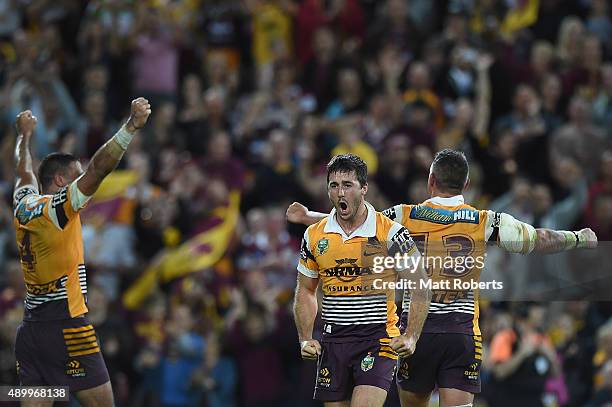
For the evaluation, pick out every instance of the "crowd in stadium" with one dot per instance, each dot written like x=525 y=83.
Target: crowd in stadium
x=191 y=263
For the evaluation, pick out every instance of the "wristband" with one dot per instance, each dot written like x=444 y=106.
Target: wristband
x=577 y=239
x=123 y=137
x=571 y=239
x=303 y=344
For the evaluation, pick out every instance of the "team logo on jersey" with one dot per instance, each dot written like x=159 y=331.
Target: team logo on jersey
x=368 y=362
x=322 y=246
x=74 y=369
x=25 y=212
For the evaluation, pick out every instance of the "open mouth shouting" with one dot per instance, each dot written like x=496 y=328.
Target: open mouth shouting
x=343 y=208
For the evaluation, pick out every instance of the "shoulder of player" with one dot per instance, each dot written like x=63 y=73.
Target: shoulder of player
x=397 y=212
x=33 y=200
x=386 y=227
x=32 y=208
x=316 y=230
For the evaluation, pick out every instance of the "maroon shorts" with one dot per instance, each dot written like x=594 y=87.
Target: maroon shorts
x=446 y=360
x=342 y=366
x=59 y=353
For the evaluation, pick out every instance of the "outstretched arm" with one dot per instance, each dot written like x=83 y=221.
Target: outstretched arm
x=519 y=237
x=25 y=124
x=553 y=241
x=298 y=213
x=106 y=159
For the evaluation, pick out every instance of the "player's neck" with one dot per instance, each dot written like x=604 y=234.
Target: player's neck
x=440 y=194
x=350 y=225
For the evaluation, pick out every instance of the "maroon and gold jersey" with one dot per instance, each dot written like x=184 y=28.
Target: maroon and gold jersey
x=48 y=231
x=356 y=306
x=447 y=232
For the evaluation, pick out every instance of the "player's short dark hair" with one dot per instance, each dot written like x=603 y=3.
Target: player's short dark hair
x=451 y=169
x=51 y=165
x=345 y=163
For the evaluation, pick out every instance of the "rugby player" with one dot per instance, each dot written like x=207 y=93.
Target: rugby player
x=56 y=345
x=449 y=353
x=361 y=341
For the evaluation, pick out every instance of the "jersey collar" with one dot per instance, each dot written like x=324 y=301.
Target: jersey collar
x=449 y=201
x=367 y=229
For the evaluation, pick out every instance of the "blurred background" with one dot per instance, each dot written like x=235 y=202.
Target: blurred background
x=191 y=264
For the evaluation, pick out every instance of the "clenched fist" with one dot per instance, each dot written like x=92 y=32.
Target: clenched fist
x=404 y=345
x=25 y=123
x=296 y=213
x=141 y=109
x=587 y=239
x=310 y=349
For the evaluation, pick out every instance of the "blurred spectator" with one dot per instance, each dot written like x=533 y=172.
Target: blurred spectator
x=347 y=15
x=183 y=354
x=394 y=26
x=419 y=88
x=272 y=36
x=598 y=21
x=523 y=358
x=603 y=396
x=276 y=180
x=319 y=73
x=350 y=98
x=579 y=139
x=155 y=43
x=395 y=173
x=350 y=142
x=602 y=109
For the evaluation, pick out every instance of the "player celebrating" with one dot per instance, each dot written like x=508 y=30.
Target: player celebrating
x=360 y=343
x=449 y=353
x=56 y=345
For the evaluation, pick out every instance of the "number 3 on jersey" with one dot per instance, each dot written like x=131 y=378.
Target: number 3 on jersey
x=454 y=246
x=25 y=253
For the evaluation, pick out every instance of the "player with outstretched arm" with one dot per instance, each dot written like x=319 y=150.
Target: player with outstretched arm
x=449 y=352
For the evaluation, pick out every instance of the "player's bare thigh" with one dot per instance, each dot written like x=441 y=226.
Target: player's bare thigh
x=410 y=399
x=99 y=396
x=455 y=398
x=363 y=396
x=368 y=396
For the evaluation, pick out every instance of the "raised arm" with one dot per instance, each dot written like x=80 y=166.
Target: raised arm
x=25 y=125
x=519 y=237
x=106 y=159
x=298 y=213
